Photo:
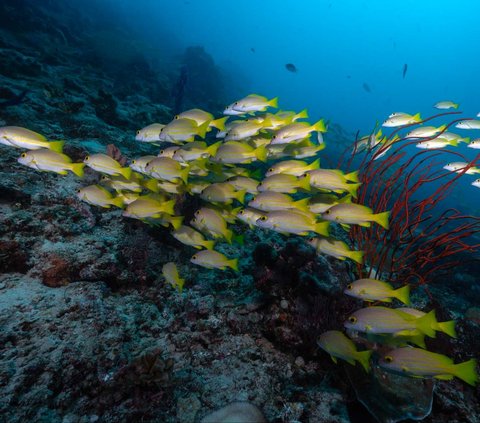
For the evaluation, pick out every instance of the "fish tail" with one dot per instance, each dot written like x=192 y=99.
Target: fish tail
x=417 y=117
x=151 y=185
x=176 y=221
x=304 y=183
x=118 y=202
x=261 y=153
x=455 y=105
x=208 y=244
x=301 y=204
x=352 y=189
x=418 y=340
x=363 y=357
x=453 y=143
x=302 y=115
x=202 y=129
x=56 y=146
x=352 y=176
x=233 y=263
x=219 y=123
x=465 y=140
x=228 y=235
x=467 y=371
x=240 y=195
x=426 y=323
x=356 y=256
x=441 y=128
x=321 y=228
x=403 y=294
x=126 y=172
x=212 y=150
x=184 y=174
x=448 y=328
x=77 y=169
x=314 y=165
x=319 y=126
x=273 y=102
x=382 y=219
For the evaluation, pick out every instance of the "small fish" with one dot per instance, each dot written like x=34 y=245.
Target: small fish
x=211 y=222
x=167 y=169
x=417 y=362
x=249 y=216
x=194 y=151
x=474 y=144
x=169 y=151
x=180 y=130
x=245 y=130
x=297 y=131
x=148 y=206
x=460 y=166
x=292 y=167
x=99 y=196
x=283 y=183
x=468 y=124
x=355 y=214
x=405 y=68
x=366 y=87
x=338 y=345
x=439 y=142
x=106 y=164
x=293 y=222
x=252 y=103
x=291 y=67
x=50 y=161
x=334 y=180
x=138 y=165
x=274 y=201
x=322 y=202
x=425 y=131
x=170 y=273
x=303 y=151
x=201 y=116
x=222 y=192
x=234 y=152
x=245 y=183
x=212 y=259
x=444 y=105
x=18 y=137
x=377 y=290
x=378 y=319
x=189 y=236
x=401 y=119
x=335 y=248
x=150 y=133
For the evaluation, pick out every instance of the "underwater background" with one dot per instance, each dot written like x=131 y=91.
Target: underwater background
x=91 y=328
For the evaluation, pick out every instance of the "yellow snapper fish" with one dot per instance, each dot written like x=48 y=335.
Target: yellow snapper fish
x=368 y=141
x=336 y=344
x=260 y=139
x=222 y=192
x=283 y=183
x=168 y=152
x=182 y=130
x=212 y=259
x=355 y=214
x=460 y=166
x=439 y=142
x=171 y=275
x=245 y=183
x=335 y=248
x=334 y=180
x=149 y=207
x=228 y=127
x=139 y=164
x=292 y=222
x=195 y=150
x=379 y=319
x=425 y=131
x=468 y=124
x=400 y=119
x=377 y=290
x=250 y=103
x=211 y=222
x=303 y=151
x=201 y=116
x=171 y=187
x=50 y=161
x=322 y=202
x=106 y=164
x=275 y=201
x=98 y=196
x=189 y=236
x=447 y=327
x=18 y=137
x=167 y=169
x=444 y=105
x=233 y=152
x=150 y=133
x=249 y=216
x=474 y=144
x=292 y=167
x=128 y=197
x=134 y=184
x=245 y=130
x=297 y=131
x=450 y=136
x=196 y=187
x=417 y=362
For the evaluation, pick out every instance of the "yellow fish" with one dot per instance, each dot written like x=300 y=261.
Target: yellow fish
x=210 y=221
x=189 y=236
x=50 y=161
x=170 y=273
x=19 y=137
x=297 y=131
x=106 y=164
x=349 y=213
x=292 y=222
x=149 y=207
x=222 y=192
x=212 y=259
x=284 y=183
x=180 y=130
x=201 y=116
x=335 y=248
x=167 y=169
x=98 y=196
x=292 y=167
x=150 y=133
x=377 y=290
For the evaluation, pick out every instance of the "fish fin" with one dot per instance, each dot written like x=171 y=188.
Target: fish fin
x=417 y=118
x=352 y=189
x=168 y=207
x=364 y=224
x=466 y=140
x=219 y=123
x=261 y=153
x=418 y=340
x=118 y=202
x=403 y=294
x=126 y=172
x=184 y=174
x=345 y=226
x=77 y=169
x=56 y=146
x=240 y=195
x=151 y=185
x=202 y=129
x=302 y=204
x=273 y=102
x=352 y=176
x=233 y=263
x=444 y=377
x=356 y=256
x=321 y=228
x=208 y=244
x=302 y=115
x=382 y=219
x=453 y=143
x=176 y=221
x=314 y=165
x=304 y=183
x=448 y=328
x=467 y=372
x=319 y=126
x=228 y=235
x=426 y=323
x=212 y=150
x=441 y=128
x=363 y=358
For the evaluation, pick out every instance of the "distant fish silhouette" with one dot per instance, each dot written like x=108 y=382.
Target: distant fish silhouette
x=252 y=49
x=366 y=87
x=291 y=67
x=405 y=68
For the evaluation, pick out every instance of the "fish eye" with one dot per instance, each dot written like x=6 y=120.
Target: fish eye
x=388 y=359
x=197 y=212
x=176 y=117
x=78 y=190
x=235 y=103
x=161 y=130
x=87 y=158
x=263 y=218
x=274 y=137
x=349 y=286
x=134 y=161
x=23 y=155
x=194 y=257
x=352 y=319
x=271 y=169
x=327 y=211
x=138 y=132
x=241 y=212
